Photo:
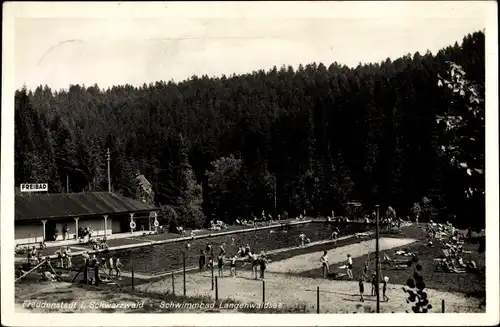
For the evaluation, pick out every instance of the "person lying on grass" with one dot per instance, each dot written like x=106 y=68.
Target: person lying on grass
x=460 y=263
x=471 y=266
x=447 y=266
x=405 y=253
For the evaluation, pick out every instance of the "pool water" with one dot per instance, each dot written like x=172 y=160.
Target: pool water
x=166 y=257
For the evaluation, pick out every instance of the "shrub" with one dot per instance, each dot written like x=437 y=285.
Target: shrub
x=416 y=292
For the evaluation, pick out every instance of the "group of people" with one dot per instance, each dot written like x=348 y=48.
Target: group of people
x=453 y=248
x=453 y=260
x=85 y=233
x=373 y=282
x=33 y=256
x=217 y=225
x=112 y=265
x=64 y=257
x=325 y=266
x=98 y=244
x=244 y=254
x=366 y=276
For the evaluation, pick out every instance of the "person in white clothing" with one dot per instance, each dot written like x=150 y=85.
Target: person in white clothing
x=324 y=264
x=111 y=266
x=349 y=266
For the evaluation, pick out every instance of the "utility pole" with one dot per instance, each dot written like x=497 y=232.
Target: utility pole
x=67 y=183
x=377 y=262
x=275 y=217
x=109 y=170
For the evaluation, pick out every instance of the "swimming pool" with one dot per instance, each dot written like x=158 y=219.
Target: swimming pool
x=161 y=258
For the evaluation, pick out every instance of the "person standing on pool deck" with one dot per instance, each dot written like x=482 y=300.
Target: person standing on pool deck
x=221 y=265
x=222 y=251
x=233 y=266
x=365 y=270
x=209 y=253
x=324 y=264
x=263 y=263
x=361 y=289
x=384 y=288
x=374 y=284
x=111 y=266
x=255 y=263
x=349 y=266
x=202 y=259
x=118 y=268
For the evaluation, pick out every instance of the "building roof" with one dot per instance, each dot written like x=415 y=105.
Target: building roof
x=143 y=182
x=62 y=205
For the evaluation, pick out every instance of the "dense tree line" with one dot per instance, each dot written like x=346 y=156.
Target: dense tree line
x=315 y=136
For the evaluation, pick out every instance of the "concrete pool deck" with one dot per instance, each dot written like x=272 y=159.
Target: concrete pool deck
x=306 y=262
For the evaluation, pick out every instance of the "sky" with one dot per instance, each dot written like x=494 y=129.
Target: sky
x=61 y=45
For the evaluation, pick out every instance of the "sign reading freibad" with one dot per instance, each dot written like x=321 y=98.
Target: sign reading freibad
x=38 y=187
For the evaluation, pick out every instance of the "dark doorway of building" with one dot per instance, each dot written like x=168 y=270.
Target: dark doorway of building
x=51 y=231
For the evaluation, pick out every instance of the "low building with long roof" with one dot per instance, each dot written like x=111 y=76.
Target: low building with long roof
x=38 y=216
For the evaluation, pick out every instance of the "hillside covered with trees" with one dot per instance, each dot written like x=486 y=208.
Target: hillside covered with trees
x=317 y=136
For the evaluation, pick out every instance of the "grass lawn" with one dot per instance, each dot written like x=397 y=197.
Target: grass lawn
x=468 y=283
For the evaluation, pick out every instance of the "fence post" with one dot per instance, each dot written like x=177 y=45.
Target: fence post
x=173 y=284
x=96 y=275
x=317 y=299
x=133 y=285
x=86 y=273
x=263 y=291
x=442 y=306
x=184 y=270
x=212 y=272
x=216 y=290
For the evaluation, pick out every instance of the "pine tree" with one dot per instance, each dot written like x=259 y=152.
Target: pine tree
x=189 y=203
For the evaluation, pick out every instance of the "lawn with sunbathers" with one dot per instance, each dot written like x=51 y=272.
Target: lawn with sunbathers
x=470 y=283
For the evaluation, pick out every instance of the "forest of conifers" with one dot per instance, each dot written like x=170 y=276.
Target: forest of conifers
x=317 y=136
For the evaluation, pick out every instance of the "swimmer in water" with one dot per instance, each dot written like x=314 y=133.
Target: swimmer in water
x=302 y=238
x=335 y=235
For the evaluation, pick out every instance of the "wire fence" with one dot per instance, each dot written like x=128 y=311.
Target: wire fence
x=208 y=283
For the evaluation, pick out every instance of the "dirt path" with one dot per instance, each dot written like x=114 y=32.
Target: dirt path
x=306 y=262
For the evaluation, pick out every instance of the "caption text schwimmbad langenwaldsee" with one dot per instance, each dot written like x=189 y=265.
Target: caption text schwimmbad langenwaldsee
x=73 y=305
